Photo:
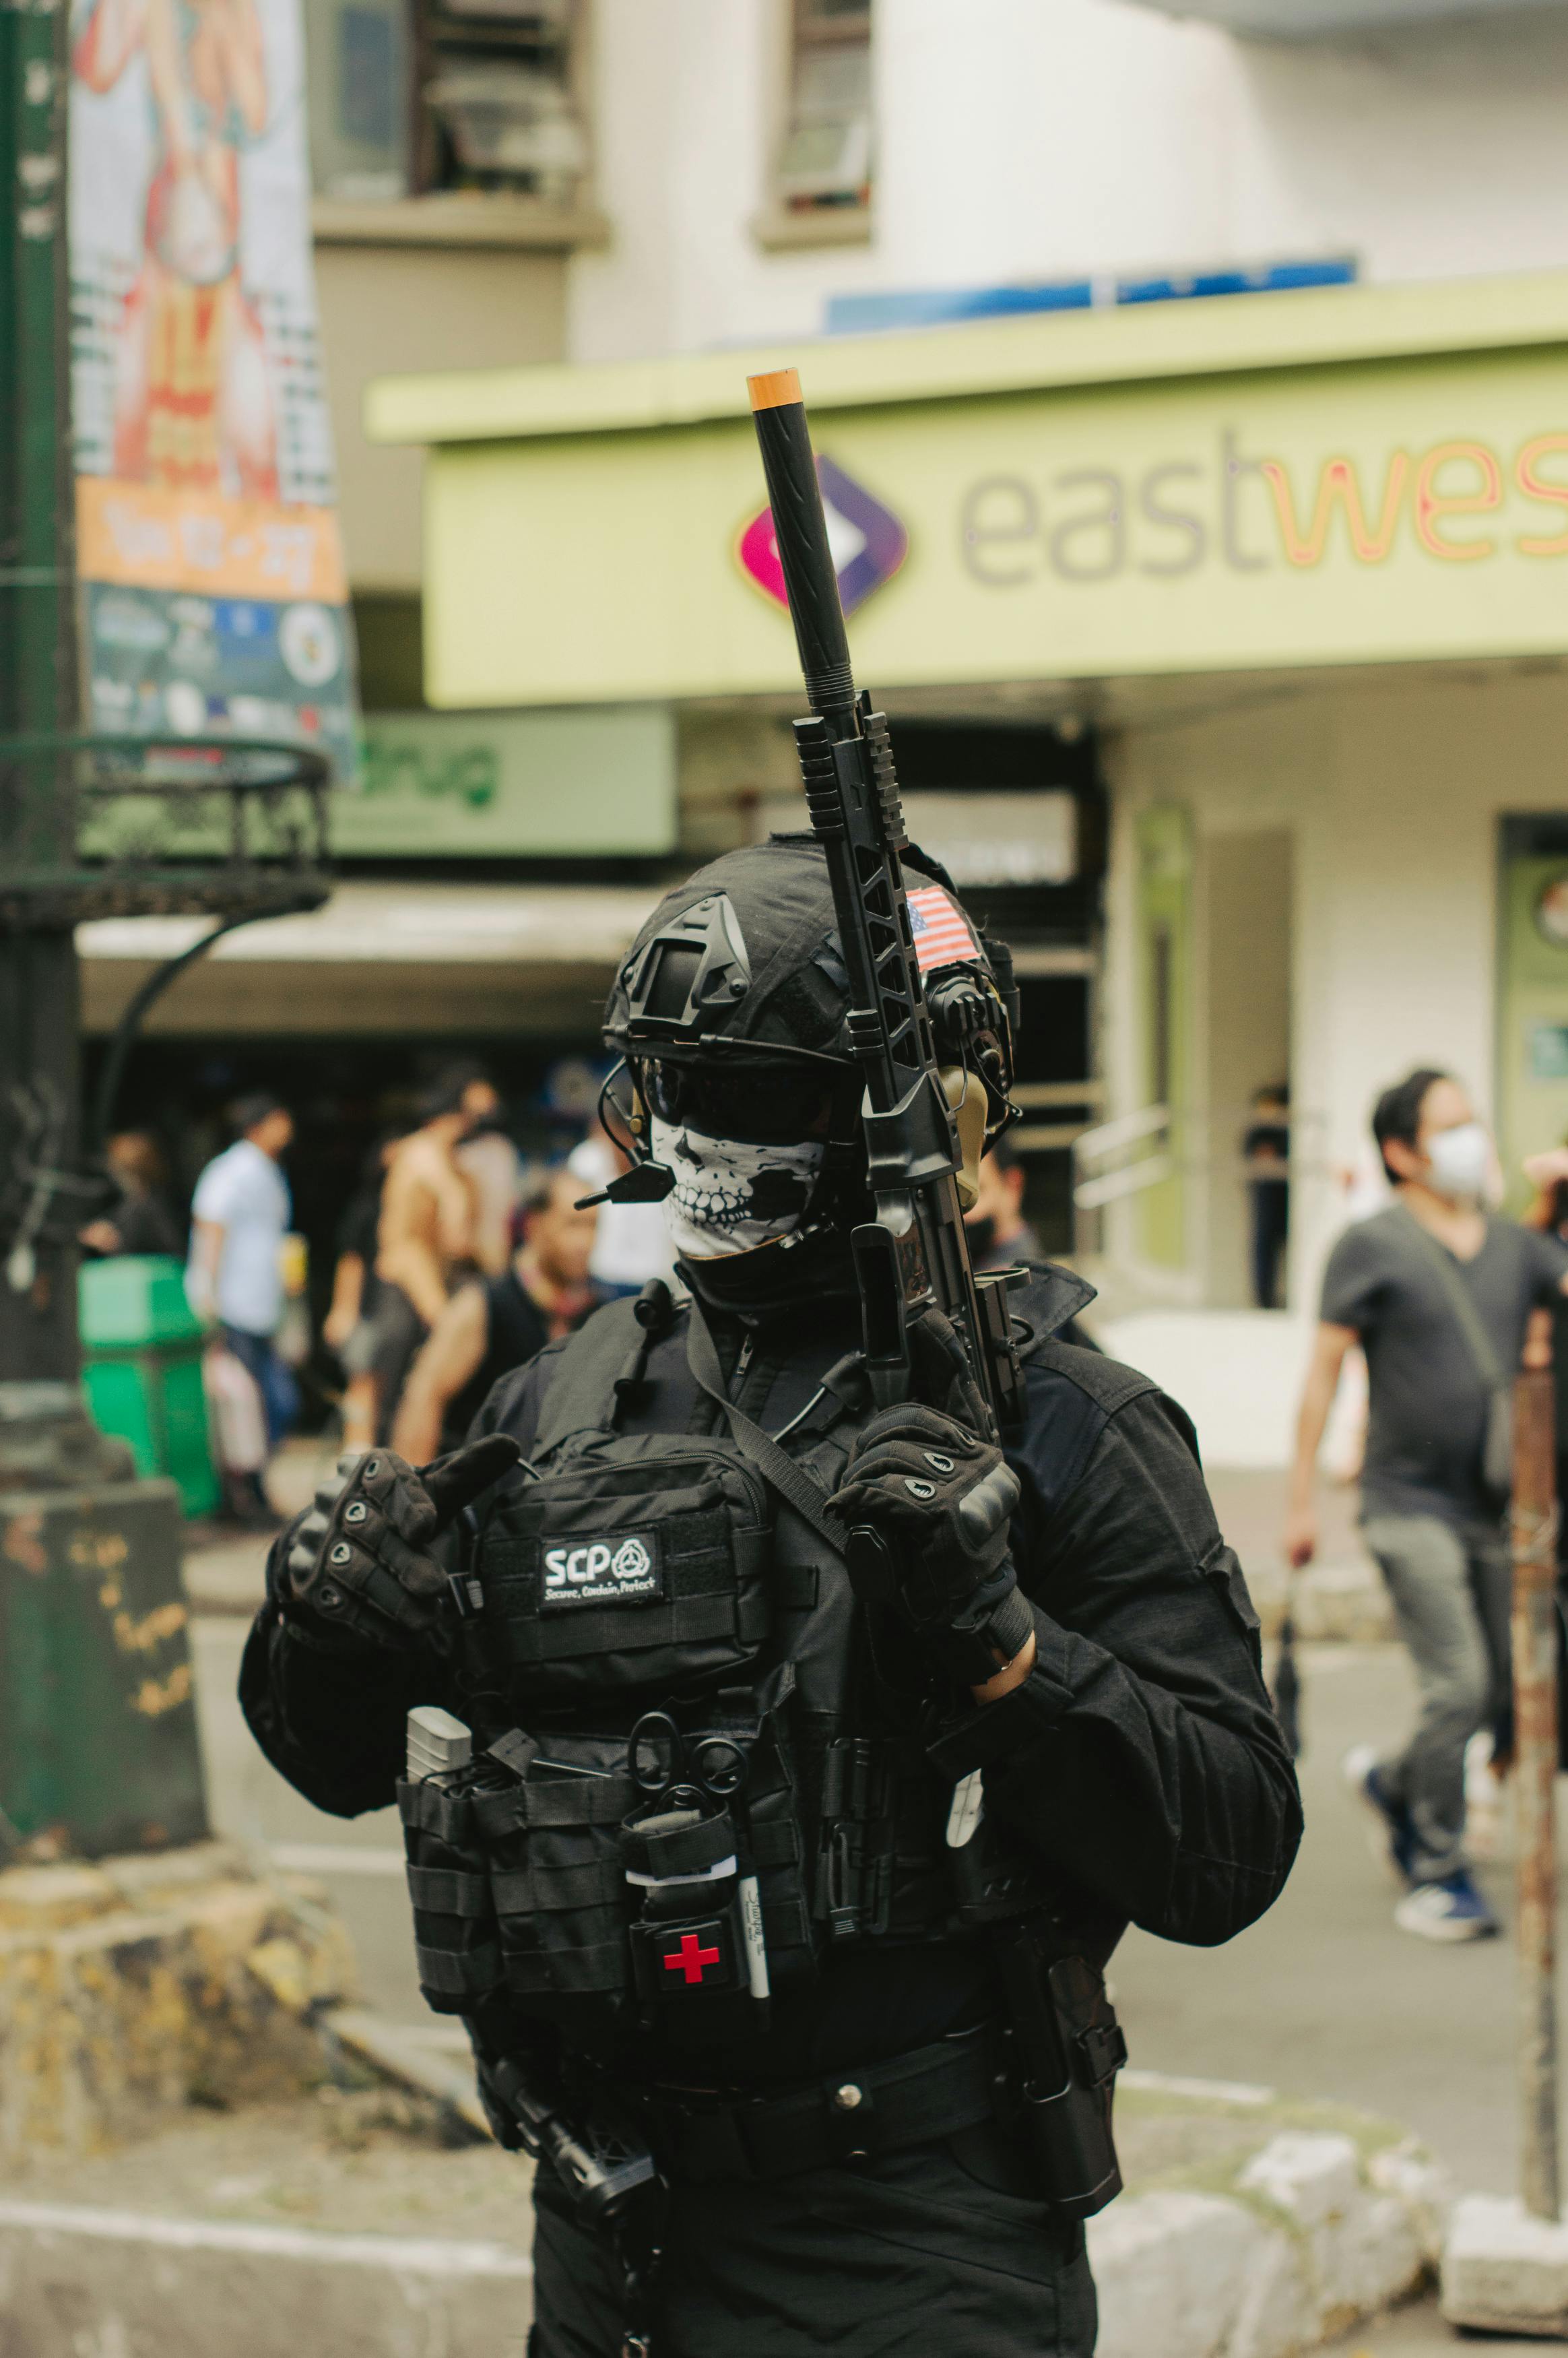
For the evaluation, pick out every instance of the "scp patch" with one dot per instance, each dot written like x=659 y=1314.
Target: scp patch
x=623 y=1569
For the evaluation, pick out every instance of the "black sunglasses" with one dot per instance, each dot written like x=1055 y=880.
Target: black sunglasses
x=776 y=1105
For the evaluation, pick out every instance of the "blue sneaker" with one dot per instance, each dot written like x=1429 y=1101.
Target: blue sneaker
x=1450 y=1910
x=1394 y=1839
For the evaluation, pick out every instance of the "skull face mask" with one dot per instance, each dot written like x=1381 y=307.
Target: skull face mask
x=731 y=1195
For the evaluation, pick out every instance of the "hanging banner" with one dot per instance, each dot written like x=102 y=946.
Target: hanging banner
x=215 y=599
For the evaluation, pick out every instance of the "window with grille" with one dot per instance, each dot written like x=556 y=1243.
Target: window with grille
x=412 y=97
x=826 y=159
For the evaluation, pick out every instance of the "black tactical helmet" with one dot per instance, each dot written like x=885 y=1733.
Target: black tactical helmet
x=741 y=971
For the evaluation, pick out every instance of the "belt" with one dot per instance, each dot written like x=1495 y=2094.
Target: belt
x=932 y=2091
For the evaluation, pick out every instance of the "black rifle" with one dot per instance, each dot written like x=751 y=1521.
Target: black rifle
x=915 y=1255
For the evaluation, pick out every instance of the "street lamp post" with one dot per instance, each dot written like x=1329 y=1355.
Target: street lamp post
x=40 y=990
x=98 y=1747
x=1536 y=1741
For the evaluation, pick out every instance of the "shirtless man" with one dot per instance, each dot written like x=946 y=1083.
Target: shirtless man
x=429 y=1212
x=495 y=1324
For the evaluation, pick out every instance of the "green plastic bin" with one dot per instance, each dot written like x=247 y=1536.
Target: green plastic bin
x=141 y=1346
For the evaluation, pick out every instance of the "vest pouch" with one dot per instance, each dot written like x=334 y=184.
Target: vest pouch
x=775 y=1837
x=456 y=1939
x=698 y=1945
x=635 y=1561
x=552 y=1844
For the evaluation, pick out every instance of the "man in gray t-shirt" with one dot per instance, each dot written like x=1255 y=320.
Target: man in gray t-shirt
x=1439 y=1295
x=1429 y=1405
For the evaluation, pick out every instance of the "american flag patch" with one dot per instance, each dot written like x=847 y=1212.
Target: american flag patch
x=941 y=930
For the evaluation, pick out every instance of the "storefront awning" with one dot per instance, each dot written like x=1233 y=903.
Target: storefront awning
x=381 y=958
x=1349 y=476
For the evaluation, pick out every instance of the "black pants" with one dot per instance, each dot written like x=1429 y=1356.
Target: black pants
x=1270 y=1233
x=913 y=2256
x=399 y=1333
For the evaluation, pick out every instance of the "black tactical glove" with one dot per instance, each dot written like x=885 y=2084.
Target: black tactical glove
x=360 y=1560
x=927 y=1504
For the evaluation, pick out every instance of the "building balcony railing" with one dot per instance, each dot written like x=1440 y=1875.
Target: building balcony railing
x=234 y=829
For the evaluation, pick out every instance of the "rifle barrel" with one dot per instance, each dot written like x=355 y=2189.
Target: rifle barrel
x=800 y=528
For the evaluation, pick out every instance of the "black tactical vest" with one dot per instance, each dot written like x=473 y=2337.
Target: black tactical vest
x=691 y=1776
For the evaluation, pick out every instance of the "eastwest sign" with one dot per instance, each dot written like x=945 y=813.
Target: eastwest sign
x=1091 y=524
x=1388 y=510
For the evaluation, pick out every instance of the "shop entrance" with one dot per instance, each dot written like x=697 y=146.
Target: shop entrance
x=1213 y=969
x=1016 y=812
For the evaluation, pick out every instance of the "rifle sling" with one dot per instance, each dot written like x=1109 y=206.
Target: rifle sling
x=776 y=1467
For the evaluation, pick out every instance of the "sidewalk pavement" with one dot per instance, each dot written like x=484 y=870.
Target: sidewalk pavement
x=1341 y=1593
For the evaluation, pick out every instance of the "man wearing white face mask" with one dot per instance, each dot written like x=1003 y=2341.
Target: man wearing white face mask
x=1439 y=1294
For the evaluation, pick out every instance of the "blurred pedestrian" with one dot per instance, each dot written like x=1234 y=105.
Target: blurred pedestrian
x=1548 y=1173
x=491 y=1160
x=632 y=1243
x=140 y=1220
x=349 y=1328
x=998 y=1233
x=1000 y=1236
x=425 y=1236
x=1440 y=1295
x=1266 y=1152
x=497 y=1324
x=234 y=1276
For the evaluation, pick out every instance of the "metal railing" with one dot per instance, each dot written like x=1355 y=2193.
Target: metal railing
x=1093 y=1189
x=220 y=826
x=1045 y=1096
x=1188 y=1141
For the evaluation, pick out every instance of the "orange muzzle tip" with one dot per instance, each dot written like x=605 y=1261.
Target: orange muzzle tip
x=774 y=390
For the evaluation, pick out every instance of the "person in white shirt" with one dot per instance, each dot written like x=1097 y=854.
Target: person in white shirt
x=240 y=1215
x=632 y=1243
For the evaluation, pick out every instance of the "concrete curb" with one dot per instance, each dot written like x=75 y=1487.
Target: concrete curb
x=1505 y=2271
x=1316 y=2230
x=124 y=2284
x=1315 y=2234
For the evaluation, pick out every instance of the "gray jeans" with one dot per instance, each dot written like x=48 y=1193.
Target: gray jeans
x=1450 y=1588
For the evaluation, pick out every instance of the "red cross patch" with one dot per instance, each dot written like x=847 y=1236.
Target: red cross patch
x=691 y=1958
x=696 y=1957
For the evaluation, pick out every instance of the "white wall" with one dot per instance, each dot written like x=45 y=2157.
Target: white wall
x=1024 y=139
x=1434 y=152
x=1392 y=790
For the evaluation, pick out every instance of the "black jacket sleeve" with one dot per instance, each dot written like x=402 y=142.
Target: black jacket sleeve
x=1141 y=1755
x=330 y=1716
x=330 y=1719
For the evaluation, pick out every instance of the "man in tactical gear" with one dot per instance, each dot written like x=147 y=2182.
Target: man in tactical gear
x=784 y=1769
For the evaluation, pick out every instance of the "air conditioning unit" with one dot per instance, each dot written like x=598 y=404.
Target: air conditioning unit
x=507 y=120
